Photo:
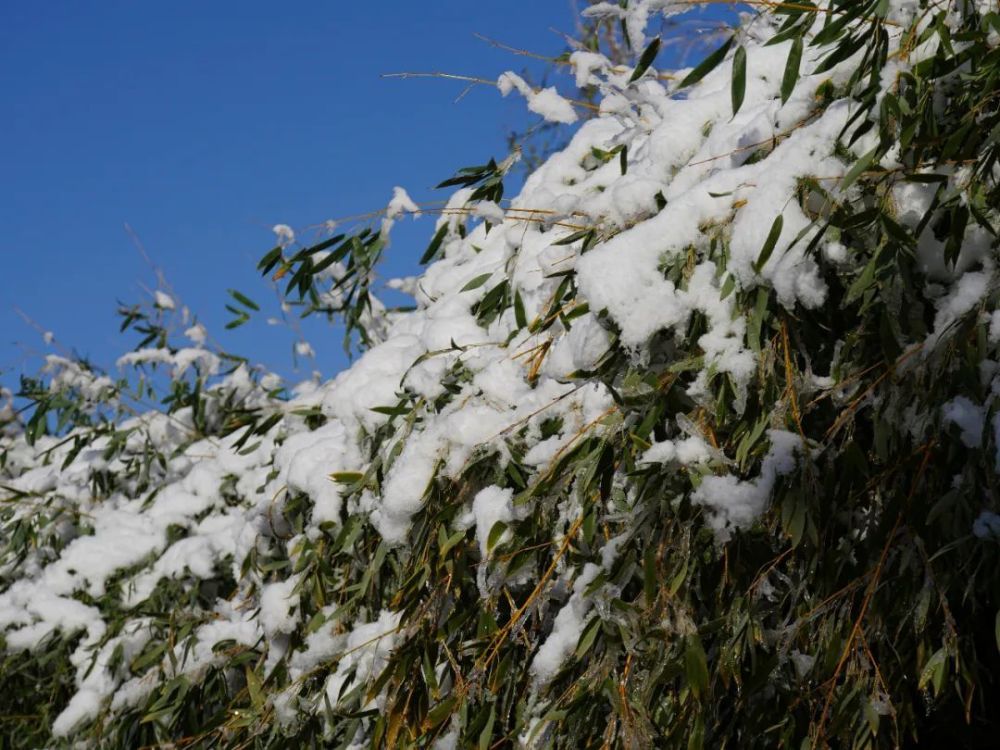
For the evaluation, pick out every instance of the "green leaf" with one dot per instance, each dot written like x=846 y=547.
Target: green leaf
x=243 y=299
x=649 y=578
x=696 y=740
x=346 y=477
x=679 y=577
x=859 y=166
x=487 y=733
x=756 y=321
x=254 y=688
x=496 y=534
x=270 y=260
x=446 y=544
x=391 y=411
x=148 y=657
x=934 y=670
x=708 y=64
x=796 y=522
x=519 y=315
x=769 y=243
x=727 y=286
x=739 y=85
x=645 y=60
x=440 y=712
x=570 y=239
x=588 y=637
x=696 y=666
x=791 y=74
x=865 y=280
x=432 y=248
x=476 y=282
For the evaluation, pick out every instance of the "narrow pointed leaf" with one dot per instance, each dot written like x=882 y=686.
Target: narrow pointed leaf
x=791 y=74
x=707 y=65
x=645 y=60
x=739 y=86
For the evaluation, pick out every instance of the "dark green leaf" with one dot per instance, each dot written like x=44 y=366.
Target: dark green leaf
x=858 y=168
x=769 y=243
x=244 y=300
x=432 y=248
x=791 y=74
x=645 y=60
x=695 y=666
x=739 y=84
x=708 y=64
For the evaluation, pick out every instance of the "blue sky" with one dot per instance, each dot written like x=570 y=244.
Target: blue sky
x=201 y=125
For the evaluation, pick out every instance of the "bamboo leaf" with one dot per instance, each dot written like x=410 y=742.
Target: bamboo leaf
x=708 y=64
x=243 y=299
x=739 y=84
x=933 y=671
x=791 y=74
x=696 y=666
x=645 y=60
x=435 y=245
x=254 y=688
x=588 y=637
x=769 y=243
x=476 y=282
x=520 y=318
x=858 y=168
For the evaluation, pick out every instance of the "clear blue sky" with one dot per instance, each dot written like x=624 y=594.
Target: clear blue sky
x=202 y=124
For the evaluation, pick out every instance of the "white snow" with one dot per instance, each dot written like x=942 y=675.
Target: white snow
x=566 y=630
x=278 y=605
x=545 y=102
x=466 y=390
x=735 y=503
x=368 y=647
x=492 y=505
x=987 y=525
x=968 y=417
x=163 y=300
x=400 y=204
x=284 y=233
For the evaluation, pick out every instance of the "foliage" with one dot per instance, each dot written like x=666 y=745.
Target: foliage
x=660 y=545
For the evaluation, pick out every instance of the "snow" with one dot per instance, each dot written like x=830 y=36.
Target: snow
x=490 y=211
x=545 y=102
x=968 y=417
x=278 y=605
x=967 y=291
x=987 y=525
x=690 y=450
x=439 y=390
x=579 y=349
x=368 y=647
x=733 y=503
x=566 y=630
x=585 y=64
x=492 y=505
x=163 y=300
x=197 y=334
x=400 y=204
x=284 y=233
